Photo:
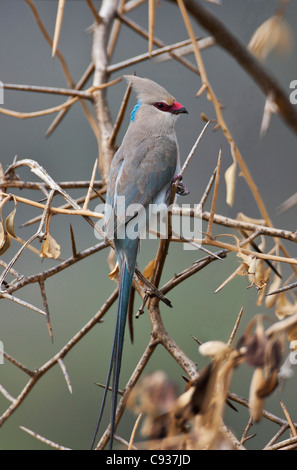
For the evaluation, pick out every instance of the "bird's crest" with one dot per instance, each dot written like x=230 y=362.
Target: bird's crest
x=149 y=92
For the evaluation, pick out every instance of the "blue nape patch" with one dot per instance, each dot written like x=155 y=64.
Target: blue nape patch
x=135 y=109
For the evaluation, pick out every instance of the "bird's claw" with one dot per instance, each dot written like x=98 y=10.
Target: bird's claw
x=182 y=189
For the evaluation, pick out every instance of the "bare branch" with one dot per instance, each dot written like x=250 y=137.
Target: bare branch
x=40 y=438
x=239 y=52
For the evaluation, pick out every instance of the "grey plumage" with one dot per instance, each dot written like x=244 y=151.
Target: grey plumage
x=141 y=173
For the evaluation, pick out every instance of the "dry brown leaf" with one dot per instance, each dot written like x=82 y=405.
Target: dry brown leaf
x=50 y=248
x=4 y=239
x=284 y=308
x=261 y=274
x=273 y=34
x=269 y=385
x=209 y=399
x=263 y=350
x=244 y=218
x=153 y=396
x=9 y=223
x=264 y=284
x=275 y=285
x=230 y=180
x=201 y=405
x=269 y=109
x=254 y=268
x=213 y=348
x=114 y=274
x=249 y=265
x=292 y=336
x=111 y=259
x=256 y=403
x=252 y=344
x=7 y=231
x=261 y=386
x=149 y=269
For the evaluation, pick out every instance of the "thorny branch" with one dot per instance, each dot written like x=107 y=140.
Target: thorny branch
x=245 y=59
x=106 y=32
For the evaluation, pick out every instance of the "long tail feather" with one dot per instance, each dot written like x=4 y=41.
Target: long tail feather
x=123 y=304
x=105 y=392
x=117 y=349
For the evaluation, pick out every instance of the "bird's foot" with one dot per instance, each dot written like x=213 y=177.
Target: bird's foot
x=182 y=189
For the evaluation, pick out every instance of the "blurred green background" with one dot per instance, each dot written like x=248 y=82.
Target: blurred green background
x=76 y=294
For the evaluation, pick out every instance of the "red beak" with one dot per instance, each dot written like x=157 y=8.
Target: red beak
x=178 y=108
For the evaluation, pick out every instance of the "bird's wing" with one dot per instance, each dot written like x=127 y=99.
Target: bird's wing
x=143 y=174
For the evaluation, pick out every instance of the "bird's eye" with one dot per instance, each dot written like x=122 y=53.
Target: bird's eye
x=161 y=106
